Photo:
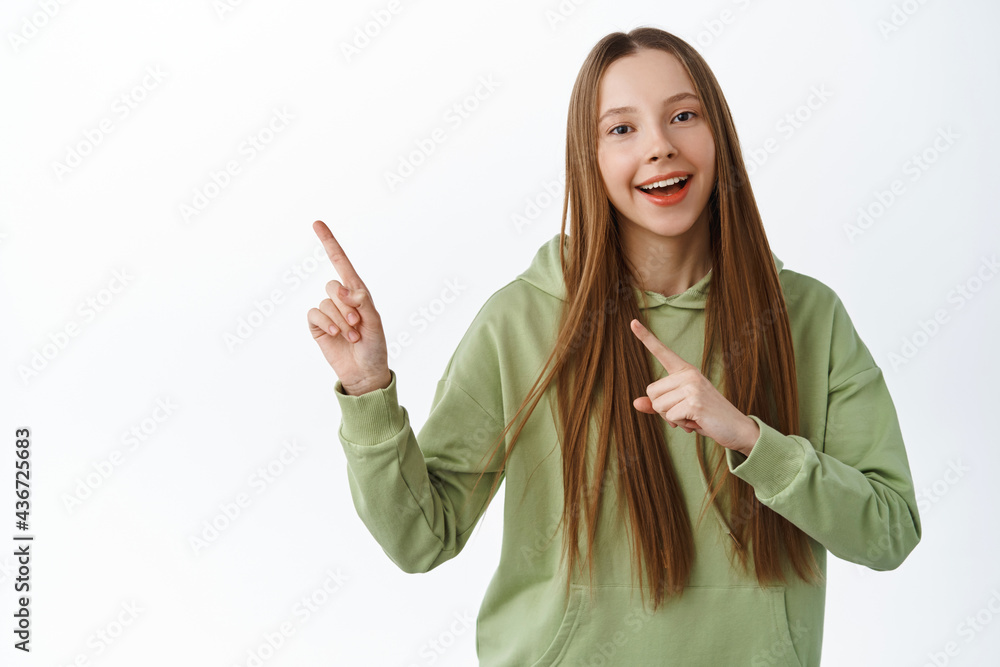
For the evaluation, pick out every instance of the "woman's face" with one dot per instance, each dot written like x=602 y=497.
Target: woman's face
x=662 y=133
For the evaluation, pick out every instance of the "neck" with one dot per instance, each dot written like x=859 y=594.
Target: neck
x=669 y=265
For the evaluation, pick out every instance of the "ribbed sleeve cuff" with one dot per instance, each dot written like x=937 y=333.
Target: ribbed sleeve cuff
x=773 y=462
x=370 y=418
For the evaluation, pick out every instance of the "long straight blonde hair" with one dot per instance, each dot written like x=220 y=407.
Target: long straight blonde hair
x=597 y=361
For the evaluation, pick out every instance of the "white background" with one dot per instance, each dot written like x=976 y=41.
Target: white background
x=165 y=334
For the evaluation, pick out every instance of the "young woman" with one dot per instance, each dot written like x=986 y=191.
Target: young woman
x=654 y=361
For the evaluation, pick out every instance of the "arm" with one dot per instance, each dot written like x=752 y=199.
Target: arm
x=417 y=499
x=854 y=495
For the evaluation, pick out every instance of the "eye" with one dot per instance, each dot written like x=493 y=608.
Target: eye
x=685 y=112
x=612 y=130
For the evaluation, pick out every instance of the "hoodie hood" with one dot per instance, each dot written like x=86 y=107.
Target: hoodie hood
x=545 y=273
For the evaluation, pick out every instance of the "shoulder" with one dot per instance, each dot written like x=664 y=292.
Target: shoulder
x=821 y=324
x=806 y=293
x=498 y=344
x=815 y=303
x=504 y=319
x=517 y=303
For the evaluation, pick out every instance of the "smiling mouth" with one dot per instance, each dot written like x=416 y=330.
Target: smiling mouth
x=665 y=191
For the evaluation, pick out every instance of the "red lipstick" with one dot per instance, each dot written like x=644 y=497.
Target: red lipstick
x=667 y=200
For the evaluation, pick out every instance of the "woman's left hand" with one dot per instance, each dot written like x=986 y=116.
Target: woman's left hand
x=686 y=398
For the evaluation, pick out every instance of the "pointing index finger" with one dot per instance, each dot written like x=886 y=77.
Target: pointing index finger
x=337 y=256
x=672 y=362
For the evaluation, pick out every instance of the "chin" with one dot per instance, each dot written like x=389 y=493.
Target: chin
x=666 y=228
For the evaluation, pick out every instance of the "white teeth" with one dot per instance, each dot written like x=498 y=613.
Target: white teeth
x=661 y=184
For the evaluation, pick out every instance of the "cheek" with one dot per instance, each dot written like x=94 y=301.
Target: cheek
x=613 y=171
x=708 y=152
x=607 y=174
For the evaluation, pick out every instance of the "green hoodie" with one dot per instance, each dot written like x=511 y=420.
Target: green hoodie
x=845 y=481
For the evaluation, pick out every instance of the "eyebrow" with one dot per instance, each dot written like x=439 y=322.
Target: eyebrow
x=617 y=111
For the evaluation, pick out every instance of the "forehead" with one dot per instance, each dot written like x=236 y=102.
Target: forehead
x=649 y=74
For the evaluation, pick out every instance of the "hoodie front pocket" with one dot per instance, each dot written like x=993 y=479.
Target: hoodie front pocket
x=567 y=628
x=707 y=625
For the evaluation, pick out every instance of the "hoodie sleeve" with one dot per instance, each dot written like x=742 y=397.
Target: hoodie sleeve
x=854 y=493
x=415 y=493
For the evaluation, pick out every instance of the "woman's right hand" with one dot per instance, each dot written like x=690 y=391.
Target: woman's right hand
x=361 y=364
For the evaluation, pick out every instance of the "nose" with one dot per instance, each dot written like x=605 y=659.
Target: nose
x=659 y=145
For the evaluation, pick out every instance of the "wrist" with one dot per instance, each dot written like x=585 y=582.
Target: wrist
x=358 y=390
x=750 y=438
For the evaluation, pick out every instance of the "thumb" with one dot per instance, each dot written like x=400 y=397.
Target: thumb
x=360 y=299
x=643 y=404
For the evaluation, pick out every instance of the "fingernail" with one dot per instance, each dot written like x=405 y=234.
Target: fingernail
x=334 y=331
x=352 y=318
x=353 y=335
x=343 y=291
